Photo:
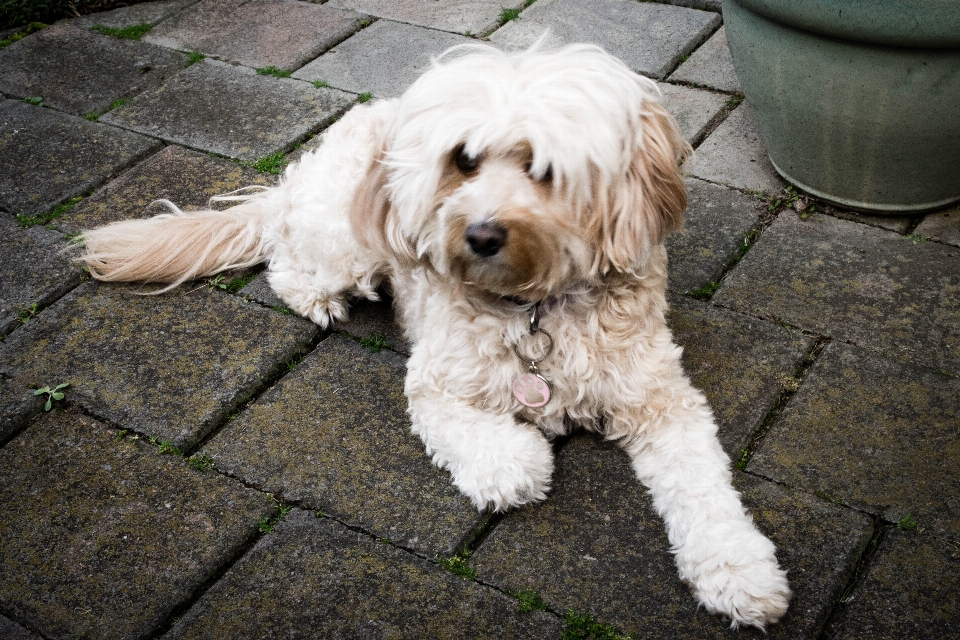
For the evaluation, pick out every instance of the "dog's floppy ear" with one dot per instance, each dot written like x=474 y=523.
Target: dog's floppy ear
x=640 y=210
x=372 y=216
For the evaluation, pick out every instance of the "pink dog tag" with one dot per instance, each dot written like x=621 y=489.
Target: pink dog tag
x=532 y=390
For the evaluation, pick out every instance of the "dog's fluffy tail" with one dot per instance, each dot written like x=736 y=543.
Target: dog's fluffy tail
x=175 y=247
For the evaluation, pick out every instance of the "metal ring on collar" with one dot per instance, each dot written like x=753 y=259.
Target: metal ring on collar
x=534 y=361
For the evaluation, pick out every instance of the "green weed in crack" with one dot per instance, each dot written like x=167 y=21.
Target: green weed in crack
x=457 y=565
x=23 y=33
x=133 y=32
x=907 y=523
x=529 y=601
x=36 y=101
x=165 y=447
x=268 y=524
x=273 y=71
x=53 y=395
x=201 y=462
x=364 y=97
x=46 y=218
x=375 y=342
x=585 y=627
x=273 y=163
x=27 y=313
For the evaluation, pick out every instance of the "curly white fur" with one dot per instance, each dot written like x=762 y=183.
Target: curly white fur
x=568 y=162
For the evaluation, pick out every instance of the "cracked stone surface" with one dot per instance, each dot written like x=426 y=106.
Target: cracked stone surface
x=186 y=178
x=742 y=364
x=313 y=577
x=47 y=157
x=596 y=545
x=854 y=283
x=458 y=16
x=384 y=59
x=942 y=226
x=145 y=13
x=80 y=72
x=650 y=38
x=284 y=34
x=171 y=365
x=32 y=272
x=874 y=433
x=711 y=66
x=295 y=439
x=232 y=111
x=93 y=552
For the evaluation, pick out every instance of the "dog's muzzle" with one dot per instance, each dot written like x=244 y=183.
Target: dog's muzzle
x=486 y=238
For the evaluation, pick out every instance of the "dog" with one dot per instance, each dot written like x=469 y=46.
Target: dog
x=516 y=204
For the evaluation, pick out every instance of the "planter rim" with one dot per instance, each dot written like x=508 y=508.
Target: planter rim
x=931 y=24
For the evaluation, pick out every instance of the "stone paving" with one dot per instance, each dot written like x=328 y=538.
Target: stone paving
x=220 y=468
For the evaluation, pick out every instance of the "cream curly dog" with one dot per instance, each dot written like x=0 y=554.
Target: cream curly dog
x=517 y=205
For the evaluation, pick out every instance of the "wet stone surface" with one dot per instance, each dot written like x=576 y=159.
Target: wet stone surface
x=232 y=111
x=80 y=72
x=874 y=433
x=741 y=364
x=334 y=436
x=650 y=38
x=911 y=590
x=284 y=34
x=314 y=578
x=460 y=16
x=109 y=536
x=186 y=178
x=32 y=271
x=854 y=283
x=716 y=223
x=172 y=366
x=47 y=156
x=596 y=545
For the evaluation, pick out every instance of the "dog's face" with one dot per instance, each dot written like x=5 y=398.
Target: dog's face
x=526 y=174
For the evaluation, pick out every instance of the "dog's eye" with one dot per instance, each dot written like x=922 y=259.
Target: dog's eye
x=465 y=162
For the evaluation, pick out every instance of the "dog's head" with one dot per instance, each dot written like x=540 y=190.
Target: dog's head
x=528 y=173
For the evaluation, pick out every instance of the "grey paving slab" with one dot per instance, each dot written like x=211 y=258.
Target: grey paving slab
x=942 y=226
x=32 y=271
x=710 y=66
x=334 y=436
x=854 y=283
x=232 y=111
x=650 y=38
x=259 y=290
x=715 y=226
x=376 y=320
x=597 y=546
x=911 y=590
x=706 y=5
x=172 y=365
x=742 y=364
x=384 y=59
x=186 y=178
x=315 y=578
x=734 y=155
x=47 y=157
x=144 y=13
x=80 y=72
x=873 y=432
x=109 y=536
x=900 y=224
x=12 y=631
x=459 y=16
x=18 y=405
x=257 y=33
x=695 y=110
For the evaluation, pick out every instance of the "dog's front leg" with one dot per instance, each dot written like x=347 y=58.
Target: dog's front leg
x=495 y=461
x=729 y=565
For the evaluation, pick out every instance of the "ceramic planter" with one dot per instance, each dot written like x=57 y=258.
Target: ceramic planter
x=858 y=101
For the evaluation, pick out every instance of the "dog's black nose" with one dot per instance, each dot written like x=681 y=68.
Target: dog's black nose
x=486 y=238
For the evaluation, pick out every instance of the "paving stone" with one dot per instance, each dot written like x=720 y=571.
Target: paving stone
x=376 y=319
x=734 y=155
x=942 y=226
x=232 y=111
x=144 y=13
x=17 y=406
x=80 y=72
x=334 y=435
x=650 y=38
x=460 y=16
x=108 y=536
x=257 y=33
x=716 y=223
x=32 y=272
x=899 y=224
x=740 y=363
x=315 y=578
x=854 y=283
x=47 y=156
x=173 y=365
x=12 y=631
x=597 y=546
x=911 y=590
x=710 y=66
x=875 y=433
x=383 y=59
x=259 y=290
x=186 y=178
x=694 y=109
x=706 y=5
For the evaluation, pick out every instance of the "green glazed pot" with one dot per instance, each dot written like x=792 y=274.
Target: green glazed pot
x=858 y=101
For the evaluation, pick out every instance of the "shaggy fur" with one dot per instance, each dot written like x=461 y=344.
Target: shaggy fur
x=497 y=181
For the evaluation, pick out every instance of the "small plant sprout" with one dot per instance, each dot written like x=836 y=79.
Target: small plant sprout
x=364 y=97
x=273 y=71
x=375 y=342
x=195 y=57
x=200 y=461
x=133 y=32
x=585 y=626
x=457 y=565
x=268 y=524
x=217 y=283
x=907 y=523
x=320 y=84
x=53 y=395
x=529 y=601
x=35 y=100
x=120 y=435
x=166 y=447
x=25 y=314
